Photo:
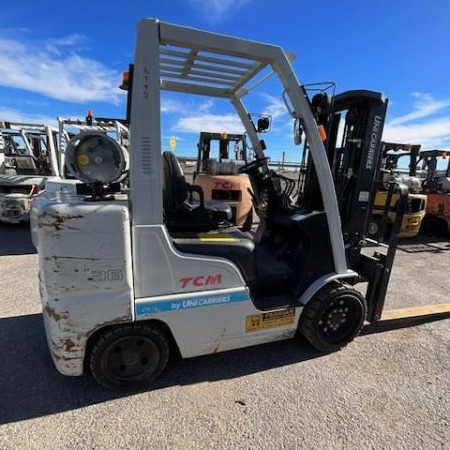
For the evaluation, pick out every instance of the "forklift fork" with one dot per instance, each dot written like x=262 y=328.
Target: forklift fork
x=378 y=269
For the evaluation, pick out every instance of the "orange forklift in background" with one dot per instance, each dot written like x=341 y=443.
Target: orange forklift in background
x=436 y=186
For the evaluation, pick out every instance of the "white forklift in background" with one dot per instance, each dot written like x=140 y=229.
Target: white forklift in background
x=122 y=286
x=28 y=157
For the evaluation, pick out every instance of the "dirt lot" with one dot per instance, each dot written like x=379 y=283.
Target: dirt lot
x=386 y=390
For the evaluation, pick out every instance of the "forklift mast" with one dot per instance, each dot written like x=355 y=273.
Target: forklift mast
x=391 y=152
x=355 y=163
x=429 y=161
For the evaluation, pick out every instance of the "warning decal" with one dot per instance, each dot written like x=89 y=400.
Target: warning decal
x=268 y=320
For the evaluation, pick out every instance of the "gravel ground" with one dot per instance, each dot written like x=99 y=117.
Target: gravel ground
x=386 y=390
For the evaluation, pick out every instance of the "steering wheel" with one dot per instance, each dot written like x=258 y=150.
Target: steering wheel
x=253 y=166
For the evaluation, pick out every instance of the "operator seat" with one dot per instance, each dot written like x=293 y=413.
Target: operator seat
x=181 y=211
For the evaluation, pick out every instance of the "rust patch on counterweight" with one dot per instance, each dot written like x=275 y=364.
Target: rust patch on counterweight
x=57 y=222
x=55 y=258
x=69 y=345
x=54 y=315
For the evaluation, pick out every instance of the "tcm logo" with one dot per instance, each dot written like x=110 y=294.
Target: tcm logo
x=201 y=280
x=226 y=185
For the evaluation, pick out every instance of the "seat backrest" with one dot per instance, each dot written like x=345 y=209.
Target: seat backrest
x=175 y=186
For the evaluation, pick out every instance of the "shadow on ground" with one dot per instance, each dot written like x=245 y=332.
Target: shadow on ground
x=31 y=387
x=15 y=239
x=424 y=244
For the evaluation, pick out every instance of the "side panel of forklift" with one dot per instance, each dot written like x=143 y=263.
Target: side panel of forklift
x=218 y=320
x=438 y=204
x=177 y=272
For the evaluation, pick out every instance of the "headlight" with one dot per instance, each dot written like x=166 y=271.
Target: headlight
x=95 y=157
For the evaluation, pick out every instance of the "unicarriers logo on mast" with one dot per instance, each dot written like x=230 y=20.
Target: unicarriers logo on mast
x=373 y=142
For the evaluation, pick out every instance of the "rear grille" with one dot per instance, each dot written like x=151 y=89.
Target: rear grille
x=226 y=195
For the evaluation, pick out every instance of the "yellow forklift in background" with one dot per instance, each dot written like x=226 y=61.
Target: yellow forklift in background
x=384 y=211
x=427 y=175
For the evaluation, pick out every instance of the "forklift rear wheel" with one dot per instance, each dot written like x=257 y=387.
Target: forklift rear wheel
x=333 y=317
x=129 y=356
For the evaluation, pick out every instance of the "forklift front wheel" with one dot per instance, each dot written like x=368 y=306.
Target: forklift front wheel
x=333 y=317
x=129 y=356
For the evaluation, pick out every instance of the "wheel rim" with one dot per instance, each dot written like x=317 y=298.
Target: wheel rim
x=373 y=228
x=130 y=358
x=341 y=319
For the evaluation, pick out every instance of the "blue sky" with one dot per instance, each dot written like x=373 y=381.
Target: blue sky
x=59 y=59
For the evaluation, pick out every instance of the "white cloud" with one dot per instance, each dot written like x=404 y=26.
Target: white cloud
x=424 y=106
x=55 y=71
x=196 y=117
x=430 y=134
x=14 y=115
x=206 y=105
x=216 y=123
x=214 y=11
x=72 y=40
x=173 y=105
x=276 y=107
x=434 y=132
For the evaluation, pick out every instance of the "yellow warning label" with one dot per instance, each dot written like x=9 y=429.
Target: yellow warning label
x=268 y=320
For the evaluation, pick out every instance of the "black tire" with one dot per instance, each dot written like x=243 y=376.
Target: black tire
x=333 y=317
x=434 y=226
x=129 y=357
x=248 y=222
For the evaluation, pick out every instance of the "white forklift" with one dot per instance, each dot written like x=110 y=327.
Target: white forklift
x=28 y=157
x=123 y=285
